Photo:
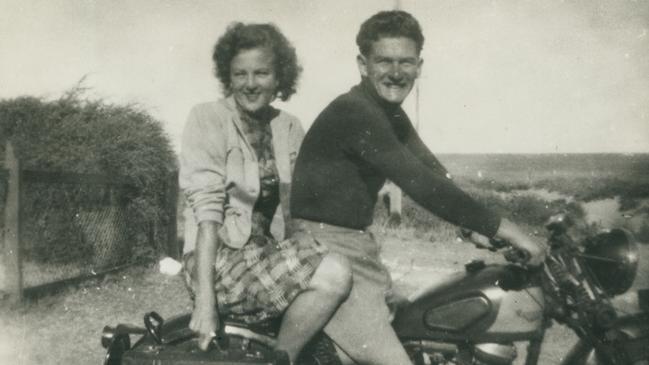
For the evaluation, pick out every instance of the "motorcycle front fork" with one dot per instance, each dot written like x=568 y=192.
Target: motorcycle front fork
x=534 y=350
x=534 y=346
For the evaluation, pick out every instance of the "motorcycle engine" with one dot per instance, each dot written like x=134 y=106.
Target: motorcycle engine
x=488 y=354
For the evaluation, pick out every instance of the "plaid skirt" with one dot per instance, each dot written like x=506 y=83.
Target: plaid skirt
x=259 y=280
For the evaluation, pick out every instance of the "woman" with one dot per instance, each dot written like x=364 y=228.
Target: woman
x=236 y=162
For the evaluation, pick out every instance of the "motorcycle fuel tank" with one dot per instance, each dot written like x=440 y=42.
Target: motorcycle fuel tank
x=485 y=304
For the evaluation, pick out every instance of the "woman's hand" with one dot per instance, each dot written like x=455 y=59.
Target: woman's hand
x=511 y=233
x=205 y=321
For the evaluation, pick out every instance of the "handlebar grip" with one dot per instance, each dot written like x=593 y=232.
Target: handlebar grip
x=498 y=243
x=516 y=256
x=480 y=241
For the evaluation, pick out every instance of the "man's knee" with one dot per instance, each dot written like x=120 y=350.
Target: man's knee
x=334 y=275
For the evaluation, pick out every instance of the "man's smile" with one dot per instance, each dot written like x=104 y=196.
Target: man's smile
x=252 y=96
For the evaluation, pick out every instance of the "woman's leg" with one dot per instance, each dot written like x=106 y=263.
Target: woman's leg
x=312 y=309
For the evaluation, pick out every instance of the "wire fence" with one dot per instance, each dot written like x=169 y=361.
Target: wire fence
x=60 y=227
x=72 y=230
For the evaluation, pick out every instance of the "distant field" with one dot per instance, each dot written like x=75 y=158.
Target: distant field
x=502 y=167
x=609 y=189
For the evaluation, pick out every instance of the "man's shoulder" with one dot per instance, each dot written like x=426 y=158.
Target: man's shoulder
x=352 y=104
x=353 y=98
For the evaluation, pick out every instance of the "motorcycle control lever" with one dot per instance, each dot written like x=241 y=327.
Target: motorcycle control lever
x=480 y=241
x=516 y=256
x=511 y=253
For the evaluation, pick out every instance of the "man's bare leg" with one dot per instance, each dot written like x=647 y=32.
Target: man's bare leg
x=361 y=328
x=312 y=309
x=381 y=348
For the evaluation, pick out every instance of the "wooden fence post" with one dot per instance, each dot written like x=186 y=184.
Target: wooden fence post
x=173 y=249
x=12 y=227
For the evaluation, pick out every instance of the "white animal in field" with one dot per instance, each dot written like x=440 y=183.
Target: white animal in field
x=391 y=195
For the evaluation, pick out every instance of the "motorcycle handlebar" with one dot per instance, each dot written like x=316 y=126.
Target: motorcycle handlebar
x=516 y=256
x=497 y=243
x=511 y=253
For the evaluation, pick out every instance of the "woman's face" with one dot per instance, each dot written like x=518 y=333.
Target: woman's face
x=253 y=80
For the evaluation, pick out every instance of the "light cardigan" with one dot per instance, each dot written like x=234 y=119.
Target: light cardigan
x=219 y=173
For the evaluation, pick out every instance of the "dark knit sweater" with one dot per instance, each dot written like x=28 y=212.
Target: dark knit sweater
x=353 y=146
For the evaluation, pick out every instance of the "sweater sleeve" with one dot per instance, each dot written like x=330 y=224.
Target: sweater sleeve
x=202 y=164
x=373 y=140
x=419 y=149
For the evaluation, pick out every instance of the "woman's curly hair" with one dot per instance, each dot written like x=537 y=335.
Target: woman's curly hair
x=241 y=36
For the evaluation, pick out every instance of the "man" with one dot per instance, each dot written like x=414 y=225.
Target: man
x=358 y=141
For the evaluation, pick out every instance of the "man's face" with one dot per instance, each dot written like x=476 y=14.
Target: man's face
x=392 y=67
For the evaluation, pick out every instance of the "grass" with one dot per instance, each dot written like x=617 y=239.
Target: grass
x=65 y=328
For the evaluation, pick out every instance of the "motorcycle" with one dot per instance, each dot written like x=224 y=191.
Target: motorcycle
x=473 y=318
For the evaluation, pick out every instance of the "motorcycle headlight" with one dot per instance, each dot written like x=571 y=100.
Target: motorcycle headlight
x=612 y=258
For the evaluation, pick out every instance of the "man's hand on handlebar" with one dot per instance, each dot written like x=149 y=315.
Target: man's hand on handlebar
x=514 y=235
x=480 y=241
x=523 y=249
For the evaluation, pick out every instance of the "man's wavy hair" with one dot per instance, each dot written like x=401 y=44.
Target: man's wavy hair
x=388 y=24
x=241 y=36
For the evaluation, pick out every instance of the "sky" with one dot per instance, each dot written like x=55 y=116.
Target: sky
x=498 y=76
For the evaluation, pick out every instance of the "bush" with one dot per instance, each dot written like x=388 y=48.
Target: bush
x=73 y=134
x=524 y=209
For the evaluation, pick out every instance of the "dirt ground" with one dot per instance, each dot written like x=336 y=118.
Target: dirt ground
x=65 y=328
x=416 y=263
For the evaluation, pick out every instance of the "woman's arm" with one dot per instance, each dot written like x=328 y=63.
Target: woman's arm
x=202 y=178
x=205 y=316
x=202 y=163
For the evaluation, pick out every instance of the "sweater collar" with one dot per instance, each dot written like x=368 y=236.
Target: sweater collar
x=369 y=90
x=392 y=111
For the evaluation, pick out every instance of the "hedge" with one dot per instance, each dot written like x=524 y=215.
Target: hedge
x=75 y=134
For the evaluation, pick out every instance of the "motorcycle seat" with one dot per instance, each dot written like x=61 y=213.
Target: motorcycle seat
x=177 y=328
x=269 y=327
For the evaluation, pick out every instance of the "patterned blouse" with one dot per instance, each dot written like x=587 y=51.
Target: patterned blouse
x=258 y=133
